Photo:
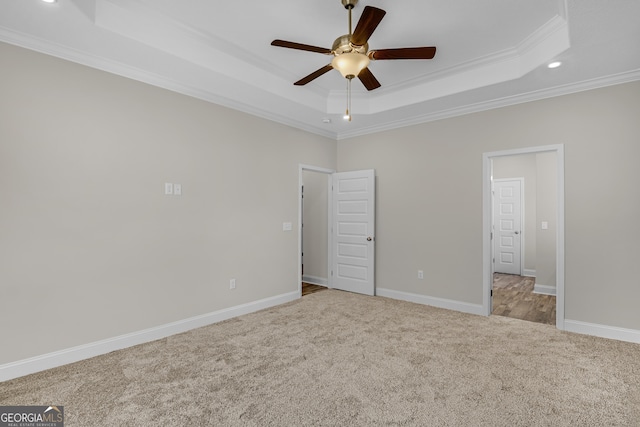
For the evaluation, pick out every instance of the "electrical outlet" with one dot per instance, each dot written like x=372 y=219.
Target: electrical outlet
x=232 y=284
x=420 y=274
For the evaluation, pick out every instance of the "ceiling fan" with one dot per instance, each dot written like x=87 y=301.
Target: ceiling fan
x=351 y=51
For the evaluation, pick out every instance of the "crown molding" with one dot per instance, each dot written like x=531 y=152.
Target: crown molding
x=547 y=41
x=118 y=68
x=64 y=52
x=567 y=89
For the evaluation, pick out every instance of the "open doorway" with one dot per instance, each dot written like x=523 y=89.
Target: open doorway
x=523 y=231
x=314 y=219
x=349 y=264
x=524 y=234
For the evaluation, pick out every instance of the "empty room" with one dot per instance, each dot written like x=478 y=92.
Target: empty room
x=171 y=173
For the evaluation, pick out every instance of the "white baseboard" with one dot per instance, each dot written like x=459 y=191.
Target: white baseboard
x=315 y=280
x=603 y=331
x=528 y=273
x=464 y=307
x=544 y=289
x=58 y=358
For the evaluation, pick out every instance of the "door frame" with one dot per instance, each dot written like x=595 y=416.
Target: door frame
x=493 y=218
x=487 y=269
x=329 y=173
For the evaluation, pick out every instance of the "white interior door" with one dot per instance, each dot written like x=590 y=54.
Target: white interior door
x=507 y=224
x=353 y=202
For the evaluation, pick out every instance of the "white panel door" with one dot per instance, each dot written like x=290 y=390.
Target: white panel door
x=507 y=225
x=353 y=231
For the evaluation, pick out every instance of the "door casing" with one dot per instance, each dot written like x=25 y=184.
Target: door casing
x=487 y=268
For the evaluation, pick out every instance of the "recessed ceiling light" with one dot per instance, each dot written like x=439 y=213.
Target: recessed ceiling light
x=326 y=120
x=49 y=1
x=554 y=64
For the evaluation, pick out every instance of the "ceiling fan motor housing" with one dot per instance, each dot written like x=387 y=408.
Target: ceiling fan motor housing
x=343 y=45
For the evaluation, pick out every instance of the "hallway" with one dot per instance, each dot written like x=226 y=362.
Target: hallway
x=513 y=296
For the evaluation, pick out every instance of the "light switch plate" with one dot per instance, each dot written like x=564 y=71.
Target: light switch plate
x=545 y=225
x=177 y=189
x=286 y=226
x=168 y=188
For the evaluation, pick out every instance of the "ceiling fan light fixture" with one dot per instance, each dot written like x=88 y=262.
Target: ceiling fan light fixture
x=351 y=55
x=350 y=64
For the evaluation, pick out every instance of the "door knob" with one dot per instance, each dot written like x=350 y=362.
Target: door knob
x=368 y=239
x=517 y=232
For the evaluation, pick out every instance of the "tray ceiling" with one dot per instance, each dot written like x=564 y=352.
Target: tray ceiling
x=490 y=53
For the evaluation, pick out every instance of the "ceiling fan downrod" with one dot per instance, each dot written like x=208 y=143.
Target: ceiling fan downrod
x=349 y=5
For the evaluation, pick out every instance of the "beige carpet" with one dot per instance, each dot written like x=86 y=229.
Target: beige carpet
x=340 y=359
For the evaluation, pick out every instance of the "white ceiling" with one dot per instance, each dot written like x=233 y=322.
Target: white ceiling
x=490 y=53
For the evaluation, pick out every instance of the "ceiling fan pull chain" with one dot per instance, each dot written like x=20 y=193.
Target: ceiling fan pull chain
x=347 y=115
x=349 y=97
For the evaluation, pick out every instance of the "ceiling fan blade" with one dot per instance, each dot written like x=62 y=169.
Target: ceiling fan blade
x=368 y=79
x=403 y=53
x=300 y=46
x=369 y=20
x=303 y=81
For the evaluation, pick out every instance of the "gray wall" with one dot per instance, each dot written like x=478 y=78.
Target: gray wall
x=546 y=210
x=91 y=248
x=429 y=213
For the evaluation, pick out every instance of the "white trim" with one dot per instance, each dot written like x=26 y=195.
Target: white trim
x=316 y=169
x=597 y=83
x=315 y=280
x=560 y=239
x=487 y=274
x=74 y=354
x=527 y=272
x=173 y=84
x=152 y=78
x=544 y=289
x=329 y=172
x=330 y=229
x=603 y=331
x=448 y=304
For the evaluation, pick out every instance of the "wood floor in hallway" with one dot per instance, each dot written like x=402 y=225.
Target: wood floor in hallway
x=513 y=296
x=308 y=288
